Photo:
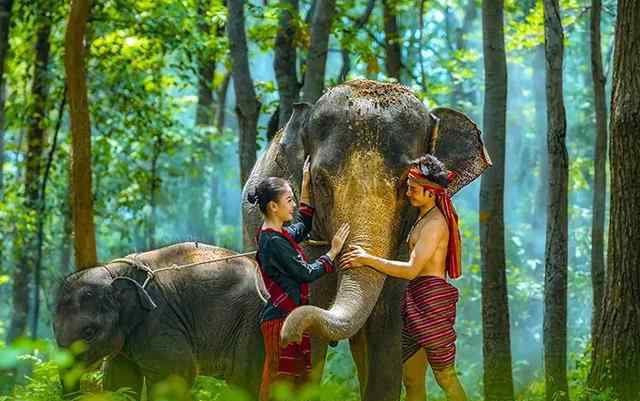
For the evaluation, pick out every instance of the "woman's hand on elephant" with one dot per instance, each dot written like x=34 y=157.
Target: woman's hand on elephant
x=338 y=240
x=356 y=257
x=305 y=192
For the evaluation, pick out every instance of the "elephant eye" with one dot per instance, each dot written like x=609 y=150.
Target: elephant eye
x=88 y=333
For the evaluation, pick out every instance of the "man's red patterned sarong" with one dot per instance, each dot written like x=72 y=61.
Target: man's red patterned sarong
x=291 y=364
x=429 y=313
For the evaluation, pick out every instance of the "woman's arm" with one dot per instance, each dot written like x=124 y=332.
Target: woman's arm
x=291 y=263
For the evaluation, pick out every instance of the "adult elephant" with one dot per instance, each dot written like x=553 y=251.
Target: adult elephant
x=150 y=327
x=361 y=136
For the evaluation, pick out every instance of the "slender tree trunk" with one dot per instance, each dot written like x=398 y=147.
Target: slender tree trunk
x=498 y=381
x=600 y=165
x=205 y=116
x=555 y=284
x=42 y=213
x=346 y=58
x=616 y=343
x=318 y=48
x=5 y=24
x=284 y=62
x=153 y=191
x=222 y=103
x=247 y=105
x=459 y=41
x=82 y=201
x=27 y=251
x=393 y=53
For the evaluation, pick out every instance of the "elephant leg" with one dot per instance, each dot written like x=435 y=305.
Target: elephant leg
x=169 y=367
x=377 y=350
x=121 y=372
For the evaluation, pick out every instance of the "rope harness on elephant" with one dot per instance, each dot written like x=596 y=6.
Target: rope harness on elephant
x=151 y=273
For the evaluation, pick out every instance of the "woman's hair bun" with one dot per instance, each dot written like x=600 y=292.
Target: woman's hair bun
x=252 y=198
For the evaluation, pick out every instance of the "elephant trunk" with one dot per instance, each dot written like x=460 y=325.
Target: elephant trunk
x=375 y=228
x=358 y=291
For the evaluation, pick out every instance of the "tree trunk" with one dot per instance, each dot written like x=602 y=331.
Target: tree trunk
x=555 y=283
x=5 y=24
x=318 y=48
x=284 y=62
x=27 y=251
x=600 y=165
x=346 y=58
x=154 y=186
x=498 y=380
x=616 y=343
x=82 y=201
x=247 y=105
x=393 y=54
x=42 y=205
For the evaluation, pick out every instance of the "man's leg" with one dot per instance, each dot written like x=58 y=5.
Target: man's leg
x=413 y=376
x=447 y=379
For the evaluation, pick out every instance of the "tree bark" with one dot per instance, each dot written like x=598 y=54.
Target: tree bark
x=555 y=284
x=42 y=205
x=247 y=105
x=318 y=48
x=393 y=53
x=600 y=165
x=498 y=379
x=154 y=186
x=284 y=62
x=346 y=58
x=616 y=343
x=26 y=254
x=5 y=24
x=82 y=201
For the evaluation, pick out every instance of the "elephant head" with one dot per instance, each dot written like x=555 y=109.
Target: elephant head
x=362 y=136
x=94 y=313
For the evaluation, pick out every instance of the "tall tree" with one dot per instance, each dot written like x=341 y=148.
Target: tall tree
x=81 y=180
x=350 y=32
x=284 y=60
x=318 y=48
x=247 y=104
x=555 y=272
x=616 y=343
x=600 y=166
x=5 y=24
x=498 y=380
x=393 y=53
x=26 y=247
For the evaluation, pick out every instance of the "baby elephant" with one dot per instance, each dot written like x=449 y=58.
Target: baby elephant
x=171 y=323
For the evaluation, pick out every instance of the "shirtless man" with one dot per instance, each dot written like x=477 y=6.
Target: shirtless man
x=429 y=307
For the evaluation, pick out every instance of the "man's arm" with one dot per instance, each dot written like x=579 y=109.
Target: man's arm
x=424 y=249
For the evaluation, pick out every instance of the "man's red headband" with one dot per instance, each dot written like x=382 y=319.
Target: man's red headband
x=419 y=178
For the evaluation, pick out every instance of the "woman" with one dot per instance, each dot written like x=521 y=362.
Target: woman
x=287 y=274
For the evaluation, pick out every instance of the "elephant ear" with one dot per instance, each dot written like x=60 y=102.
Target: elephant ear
x=457 y=142
x=134 y=300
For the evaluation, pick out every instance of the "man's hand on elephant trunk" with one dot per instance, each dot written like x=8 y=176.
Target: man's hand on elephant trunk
x=356 y=257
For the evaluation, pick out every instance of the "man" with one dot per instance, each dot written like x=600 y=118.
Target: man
x=429 y=307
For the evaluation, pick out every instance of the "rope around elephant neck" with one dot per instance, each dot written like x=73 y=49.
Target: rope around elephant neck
x=152 y=272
